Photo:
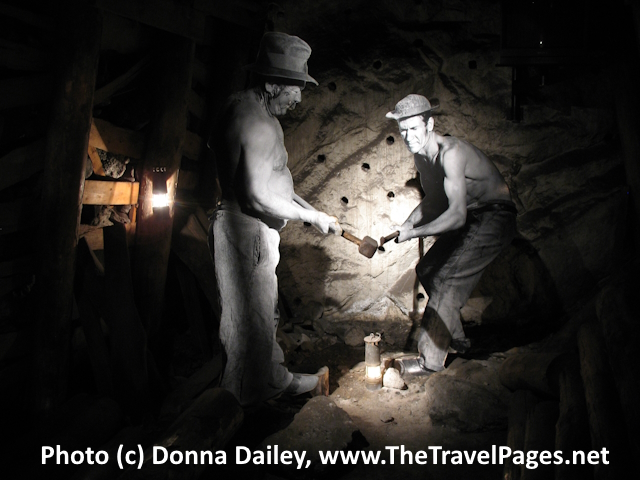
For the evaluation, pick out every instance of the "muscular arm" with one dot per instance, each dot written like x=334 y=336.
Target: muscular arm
x=269 y=190
x=455 y=215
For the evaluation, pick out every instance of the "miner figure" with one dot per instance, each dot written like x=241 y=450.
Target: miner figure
x=478 y=222
x=257 y=200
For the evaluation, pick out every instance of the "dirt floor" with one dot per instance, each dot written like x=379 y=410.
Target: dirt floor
x=387 y=417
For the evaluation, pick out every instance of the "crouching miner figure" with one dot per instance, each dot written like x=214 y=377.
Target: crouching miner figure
x=479 y=222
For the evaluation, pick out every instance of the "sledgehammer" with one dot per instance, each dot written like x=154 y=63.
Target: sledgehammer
x=367 y=246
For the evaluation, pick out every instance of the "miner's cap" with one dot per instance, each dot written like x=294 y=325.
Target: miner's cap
x=411 y=105
x=284 y=56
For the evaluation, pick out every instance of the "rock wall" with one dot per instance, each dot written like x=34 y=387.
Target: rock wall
x=348 y=160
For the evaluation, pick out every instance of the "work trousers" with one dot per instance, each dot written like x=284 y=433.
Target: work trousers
x=450 y=271
x=245 y=253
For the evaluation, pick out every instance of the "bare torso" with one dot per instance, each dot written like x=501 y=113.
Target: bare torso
x=244 y=119
x=484 y=183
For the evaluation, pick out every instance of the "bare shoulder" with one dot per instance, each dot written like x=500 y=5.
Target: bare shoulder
x=246 y=120
x=453 y=152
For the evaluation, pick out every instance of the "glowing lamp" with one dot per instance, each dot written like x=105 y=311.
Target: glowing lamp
x=373 y=369
x=160 y=195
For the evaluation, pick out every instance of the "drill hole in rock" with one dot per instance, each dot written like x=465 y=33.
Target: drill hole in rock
x=307 y=224
x=321 y=158
x=332 y=86
x=420 y=297
x=344 y=200
x=366 y=167
x=390 y=140
x=377 y=64
x=391 y=195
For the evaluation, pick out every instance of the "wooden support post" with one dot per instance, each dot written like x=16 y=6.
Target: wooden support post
x=621 y=331
x=66 y=154
x=128 y=338
x=97 y=344
x=606 y=423
x=207 y=425
x=572 y=429
x=531 y=371
x=164 y=149
x=522 y=402
x=539 y=436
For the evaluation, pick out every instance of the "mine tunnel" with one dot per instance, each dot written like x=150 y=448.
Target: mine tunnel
x=138 y=241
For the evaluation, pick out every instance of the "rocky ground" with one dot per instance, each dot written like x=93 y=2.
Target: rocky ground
x=462 y=408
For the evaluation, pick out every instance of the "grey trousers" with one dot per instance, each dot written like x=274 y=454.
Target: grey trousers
x=450 y=271
x=245 y=253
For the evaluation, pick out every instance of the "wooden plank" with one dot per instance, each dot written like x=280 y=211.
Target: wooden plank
x=94 y=239
x=97 y=192
x=192 y=145
x=9 y=284
x=197 y=105
x=21 y=163
x=606 y=421
x=16 y=266
x=108 y=137
x=107 y=91
x=201 y=72
x=620 y=328
x=163 y=14
x=98 y=169
x=62 y=181
x=245 y=13
x=166 y=136
x=27 y=17
x=16 y=56
x=188 y=180
x=16 y=215
x=25 y=91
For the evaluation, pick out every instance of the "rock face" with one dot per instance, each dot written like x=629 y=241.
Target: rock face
x=320 y=425
x=468 y=396
x=348 y=160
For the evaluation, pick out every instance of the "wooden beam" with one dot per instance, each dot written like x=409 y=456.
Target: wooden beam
x=21 y=163
x=164 y=149
x=98 y=192
x=197 y=105
x=107 y=91
x=17 y=215
x=243 y=13
x=16 y=266
x=201 y=72
x=25 y=91
x=16 y=56
x=98 y=169
x=188 y=180
x=192 y=145
x=27 y=17
x=9 y=284
x=108 y=137
x=606 y=421
x=620 y=328
x=63 y=179
x=166 y=15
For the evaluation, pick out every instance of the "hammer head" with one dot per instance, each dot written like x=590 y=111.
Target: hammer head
x=368 y=247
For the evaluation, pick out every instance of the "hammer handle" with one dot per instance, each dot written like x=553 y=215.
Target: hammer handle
x=351 y=238
x=384 y=240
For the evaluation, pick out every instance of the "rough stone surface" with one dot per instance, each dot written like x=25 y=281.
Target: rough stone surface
x=319 y=425
x=392 y=379
x=468 y=396
x=559 y=162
